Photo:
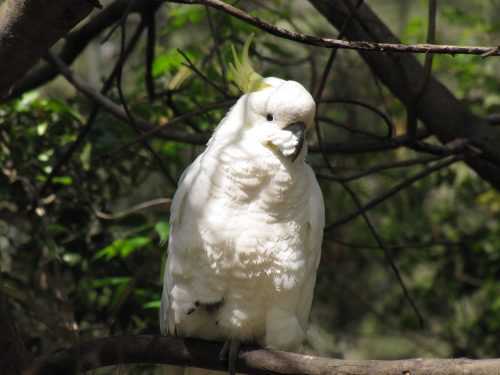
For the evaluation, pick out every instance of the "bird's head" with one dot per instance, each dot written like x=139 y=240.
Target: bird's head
x=276 y=111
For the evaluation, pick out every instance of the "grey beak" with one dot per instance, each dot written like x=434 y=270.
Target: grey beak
x=298 y=129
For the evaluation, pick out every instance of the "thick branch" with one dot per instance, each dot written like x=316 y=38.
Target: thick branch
x=204 y=354
x=30 y=27
x=365 y=45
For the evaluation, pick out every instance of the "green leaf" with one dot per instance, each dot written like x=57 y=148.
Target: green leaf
x=71 y=258
x=152 y=304
x=25 y=102
x=62 y=180
x=122 y=247
x=59 y=107
x=85 y=155
x=169 y=61
x=106 y=281
x=182 y=15
x=42 y=128
x=170 y=149
x=162 y=228
x=45 y=156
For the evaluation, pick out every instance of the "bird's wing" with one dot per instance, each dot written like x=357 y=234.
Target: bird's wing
x=167 y=316
x=316 y=220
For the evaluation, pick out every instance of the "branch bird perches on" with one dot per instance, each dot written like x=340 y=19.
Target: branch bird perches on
x=254 y=361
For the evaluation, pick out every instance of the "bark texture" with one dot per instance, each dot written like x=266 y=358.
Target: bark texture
x=28 y=28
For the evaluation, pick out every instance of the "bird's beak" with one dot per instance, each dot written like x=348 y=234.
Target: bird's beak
x=298 y=129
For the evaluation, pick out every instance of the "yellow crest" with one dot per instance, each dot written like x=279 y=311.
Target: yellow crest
x=245 y=77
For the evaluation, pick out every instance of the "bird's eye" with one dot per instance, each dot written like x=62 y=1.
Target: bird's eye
x=269 y=117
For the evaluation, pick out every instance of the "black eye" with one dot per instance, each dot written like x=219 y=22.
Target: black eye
x=269 y=117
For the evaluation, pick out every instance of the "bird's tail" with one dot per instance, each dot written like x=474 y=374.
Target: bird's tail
x=179 y=370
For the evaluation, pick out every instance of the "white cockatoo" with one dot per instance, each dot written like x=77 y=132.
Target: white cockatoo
x=246 y=225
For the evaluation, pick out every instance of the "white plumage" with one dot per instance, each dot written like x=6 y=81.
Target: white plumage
x=246 y=227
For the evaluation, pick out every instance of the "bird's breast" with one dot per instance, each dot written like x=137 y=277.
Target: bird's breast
x=253 y=225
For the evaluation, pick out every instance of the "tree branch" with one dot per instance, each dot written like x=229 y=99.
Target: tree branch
x=117 y=111
x=336 y=43
x=360 y=147
x=200 y=353
x=28 y=28
x=397 y=188
x=382 y=167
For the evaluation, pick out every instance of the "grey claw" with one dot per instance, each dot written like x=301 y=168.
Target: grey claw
x=229 y=353
x=223 y=352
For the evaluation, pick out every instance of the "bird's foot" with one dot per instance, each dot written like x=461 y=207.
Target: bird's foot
x=229 y=354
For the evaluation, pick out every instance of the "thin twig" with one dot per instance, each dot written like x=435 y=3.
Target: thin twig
x=91 y=118
x=361 y=147
x=199 y=139
x=131 y=210
x=382 y=167
x=349 y=128
x=396 y=189
x=362 y=211
x=217 y=43
x=334 y=43
x=123 y=18
x=382 y=115
x=328 y=66
x=177 y=112
x=149 y=18
x=411 y=105
x=200 y=74
x=386 y=253
x=284 y=61
x=149 y=129
x=122 y=298
x=429 y=57
x=129 y=114
x=395 y=246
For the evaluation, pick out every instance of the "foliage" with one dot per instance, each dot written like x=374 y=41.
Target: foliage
x=76 y=268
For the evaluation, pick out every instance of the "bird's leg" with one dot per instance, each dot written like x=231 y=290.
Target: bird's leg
x=229 y=354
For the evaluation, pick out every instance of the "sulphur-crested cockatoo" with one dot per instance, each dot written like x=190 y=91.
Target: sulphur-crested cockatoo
x=246 y=225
